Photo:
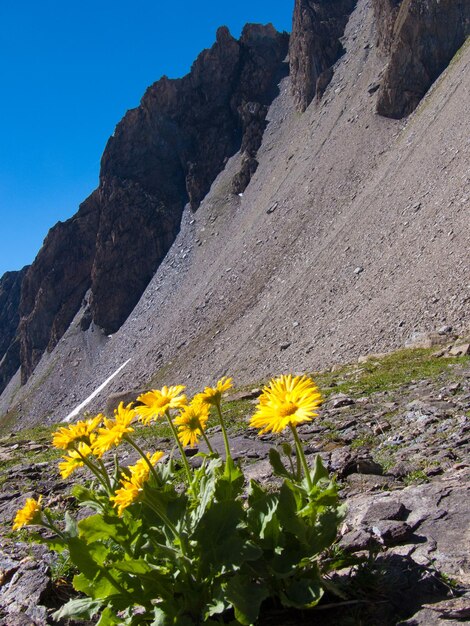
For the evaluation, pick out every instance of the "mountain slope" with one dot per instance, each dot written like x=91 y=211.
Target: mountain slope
x=352 y=235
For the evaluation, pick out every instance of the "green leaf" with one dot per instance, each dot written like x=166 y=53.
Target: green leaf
x=319 y=471
x=220 y=544
x=302 y=593
x=287 y=448
x=85 y=608
x=216 y=607
x=162 y=619
x=98 y=588
x=57 y=544
x=88 y=497
x=173 y=505
x=109 y=618
x=205 y=483
x=71 y=528
x=287 y=511
x=278 y=466
x=133 y=566
x=246 y=596
x=230 y=485
x=95 y=528
x=81 y=557
x=262 y=516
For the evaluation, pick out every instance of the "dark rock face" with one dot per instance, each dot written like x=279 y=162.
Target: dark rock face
x=386 y=12
x=10 y=292
x=164 y=153
x=426 y=35
x=315 y=45
x=169 y=150
x=55 y=284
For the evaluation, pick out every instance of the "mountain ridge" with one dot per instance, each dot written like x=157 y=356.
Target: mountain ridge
x=312 y=264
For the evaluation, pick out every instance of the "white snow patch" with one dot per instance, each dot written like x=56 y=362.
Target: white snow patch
x=81 y=406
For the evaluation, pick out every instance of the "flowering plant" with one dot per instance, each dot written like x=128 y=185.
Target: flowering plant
x=213 y=549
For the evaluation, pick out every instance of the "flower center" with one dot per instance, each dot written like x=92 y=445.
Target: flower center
x=288 y=409
x=193 y=423
x=162 y=401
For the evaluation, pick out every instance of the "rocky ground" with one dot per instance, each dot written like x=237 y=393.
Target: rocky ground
x=395 y=430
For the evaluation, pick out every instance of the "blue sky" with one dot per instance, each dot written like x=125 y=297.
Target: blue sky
x=69 y=70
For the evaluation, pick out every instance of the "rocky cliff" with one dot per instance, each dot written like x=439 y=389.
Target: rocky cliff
x=55 y=284
x=163 y=154
x=315 y=45
x=169 y=150
x=422 y=37
x=10 y=292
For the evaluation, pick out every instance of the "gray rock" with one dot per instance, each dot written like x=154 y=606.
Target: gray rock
x=391 y=532
x=461 y=349
x=340 y=400
x=386 y=509
x=451 y=612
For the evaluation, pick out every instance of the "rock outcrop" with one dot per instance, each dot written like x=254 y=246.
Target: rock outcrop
x=163 y=154
x=56 y=282
x=315 y=45
x=386 y=12
x=423 y=38
x=10 y=292
x=169 y=150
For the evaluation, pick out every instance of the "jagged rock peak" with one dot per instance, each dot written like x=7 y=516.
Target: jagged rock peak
x=422 y=36
x=164 y=153
x=315 y=45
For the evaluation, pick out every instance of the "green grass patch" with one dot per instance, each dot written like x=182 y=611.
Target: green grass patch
x=416 y=477
x=385 y=374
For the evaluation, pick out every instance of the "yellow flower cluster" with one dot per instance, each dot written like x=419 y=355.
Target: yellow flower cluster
x=113 y=431
x=133 y=483
x=66 y=437
x=286 y=401
x=74 y=459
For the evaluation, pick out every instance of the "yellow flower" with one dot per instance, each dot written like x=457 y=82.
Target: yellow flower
x=29 y=514
x=66 y=437
x=286 y=401
x=213 y=395
x=132 y=484
x=73 y=460
x=109 y=436
x=191 y=422
x=157 y=402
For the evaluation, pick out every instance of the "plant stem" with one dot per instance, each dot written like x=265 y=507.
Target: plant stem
x=145 y=457
x=180 y=447
x=301 y=455
x=50 y=524
x=224 y=433
x=101 y=476
x=105 y=474
x=148 y=499
x=206 y=439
